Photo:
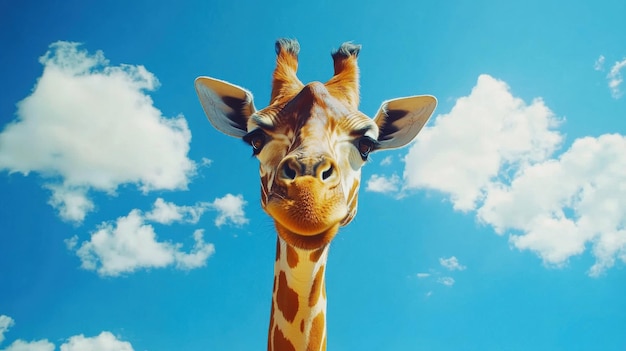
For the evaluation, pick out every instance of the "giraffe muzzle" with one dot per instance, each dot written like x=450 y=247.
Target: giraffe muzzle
x=307 y=198
x=322 y=168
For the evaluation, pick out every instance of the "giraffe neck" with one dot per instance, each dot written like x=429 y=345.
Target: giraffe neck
x=298 y=315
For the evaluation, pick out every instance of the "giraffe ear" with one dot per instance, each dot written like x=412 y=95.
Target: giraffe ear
x=227 y=106
x=399 y=120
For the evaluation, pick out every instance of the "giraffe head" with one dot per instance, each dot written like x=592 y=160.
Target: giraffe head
x=311 y=140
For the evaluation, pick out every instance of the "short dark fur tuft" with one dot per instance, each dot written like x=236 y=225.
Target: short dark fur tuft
x=290 y=45
x=347 y=49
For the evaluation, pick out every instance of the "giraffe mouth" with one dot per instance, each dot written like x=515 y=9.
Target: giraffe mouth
x=307 y=207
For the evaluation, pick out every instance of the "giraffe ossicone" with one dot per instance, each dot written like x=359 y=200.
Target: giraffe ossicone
x=311 y=141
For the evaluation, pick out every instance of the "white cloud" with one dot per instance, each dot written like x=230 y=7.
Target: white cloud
x=386 y=161
x=103 y=342
x=564 y=205
x=88 y=125
x=167 y=212
x=493 y=154
x=71 y=202
x=615 y=78
x=206 y=162
x=447 y=281
x=485 y=135
x=230 y=210
x=451 y=264
x=423 y=275
x=21 y=345
x=198 y=256
x=6 y=322
x=599 y=64
x=130 y=244
x=381 y=184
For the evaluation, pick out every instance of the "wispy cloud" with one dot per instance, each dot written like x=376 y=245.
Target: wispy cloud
x=435 y=276
x=105 y=341
x=6 y=322
x=451 y=264
x=382 y=184
x=447 y=281
x=494 y=156
x=615 y=78
x=388 y=160
x=599 y=64
x=88 y=125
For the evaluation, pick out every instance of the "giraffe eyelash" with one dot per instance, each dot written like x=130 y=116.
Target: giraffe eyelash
x=365 y=145
x=257 y=139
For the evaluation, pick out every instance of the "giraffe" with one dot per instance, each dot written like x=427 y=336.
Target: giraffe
x=311 y=142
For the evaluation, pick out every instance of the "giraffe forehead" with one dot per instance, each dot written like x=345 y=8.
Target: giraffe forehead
x=312 y=113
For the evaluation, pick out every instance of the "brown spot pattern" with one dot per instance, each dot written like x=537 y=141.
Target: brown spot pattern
x=269 y=339
x=281 y=342
x=316 y=336
x=316 y=287
x=286 y=298
x=277 y=250
x=292 y=257
x=315 y=255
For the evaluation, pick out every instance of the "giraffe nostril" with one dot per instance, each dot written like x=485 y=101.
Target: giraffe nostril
x=288 y=172
x=327 y=173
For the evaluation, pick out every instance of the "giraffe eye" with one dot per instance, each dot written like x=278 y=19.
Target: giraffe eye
x=257 y=139
x=365 y=145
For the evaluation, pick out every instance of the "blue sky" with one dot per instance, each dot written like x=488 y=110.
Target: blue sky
x=128 y=223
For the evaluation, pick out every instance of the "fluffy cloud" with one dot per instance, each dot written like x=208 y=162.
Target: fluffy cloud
x=615 y=78
x=230 y=210
x=168 y=212
x=561 y=206
x=6 y=322
x=103 y=342
x=88 y=125
x=130 y=244
x=452 y=264
x=381 y=184
x=484 y=135
x=493 y=154
x=39 y=345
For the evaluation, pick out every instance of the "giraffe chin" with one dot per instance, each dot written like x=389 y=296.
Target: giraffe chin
x=306 y=242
